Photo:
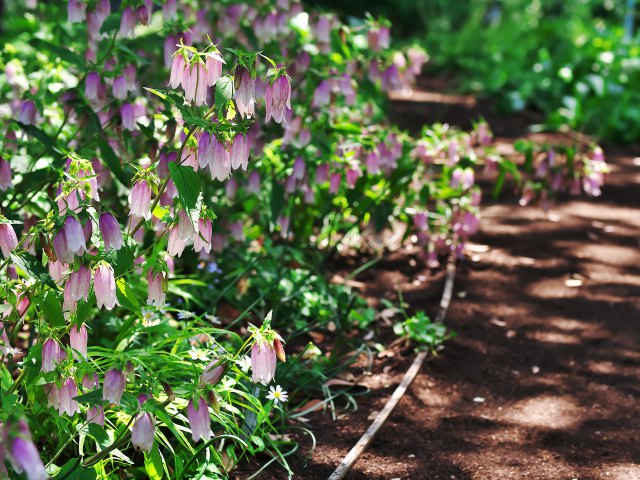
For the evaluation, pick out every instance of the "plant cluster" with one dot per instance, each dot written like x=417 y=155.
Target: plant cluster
x=174 y=178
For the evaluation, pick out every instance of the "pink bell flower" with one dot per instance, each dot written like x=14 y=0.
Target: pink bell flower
x=113 y=387
x=278 y=99
x=213 y=372
x=220 y=167
x=199 y=420
x=66 y=403
x=76 y=11
x=263 y=363
x=157 y=288
x=140 y=200
x=78 y=338
x=92 y=86
x=52 y=355
x=239 y=152
x=8 y=239
x=143 y=432
x=128 y=22
x=245 y=94
x=6 y=175
x=203 y=236
x=178 y=70
x=213 y=67
x=175 y=245
x=104 y=285
x=22 y=452
x=111 y=232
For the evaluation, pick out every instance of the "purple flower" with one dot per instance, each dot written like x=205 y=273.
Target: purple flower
x=140 y=200
x=278 y=98
x=8 y=239
x=120 y=88
x=322 y=173
x=199 y=420
x=231 y=188
x=213 y=372
x=52 y=355
x=113 y=388
x=220 y=167
x=143 y=432
x=175 y=245
x=213 y=67
x=169 y=9
x=27 y=113
x=111 y=232
x=23 y=453
x=299 y=168
x=76 y=11
x=253 y=184
x=158 y=284
x=128 y=22
x=178 y=70
x=66 y=403
x=92 y=86
x=78 y=338
x=334 y=182
x=104 y=285
x=128 y=115
x=5 y=175
x=203 y=236
x=245 y=92
x=239 y=152
x=263 y=363
x=96 y=415
x=144 y=13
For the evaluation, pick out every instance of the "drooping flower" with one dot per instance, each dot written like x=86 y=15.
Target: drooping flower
x=128 y=115
x=322 y=173
x=263 y=362
x=278 y=99
x=239 y=152
x=78 y=338
x=202 y=240
x=104 y=285
x=169 y=9
x=213 y=67
x=76 y=11
x=245 y=94
x=128 y=22
x=277 y=395
x=119 y=88
x=157 y=288
x=27 y=113
x=8 y=239
x=178 y=67
x=66 y=394
x=213 y=372
x=95 y=415
x=92 y=86
x=334 y=182
x=114 y=384
x=140 y=200
x=175 y=245
x=52 y=355
x=6 y=175
x=220 y=167
x=199 y=420
x=22 y=452
x=111 y=232
x=143 y=432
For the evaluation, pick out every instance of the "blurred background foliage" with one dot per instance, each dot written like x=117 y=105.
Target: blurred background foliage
x=575 y=61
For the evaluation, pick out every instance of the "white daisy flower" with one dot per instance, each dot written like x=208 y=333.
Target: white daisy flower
x=277 y=395
x=198 y=354
x=149 y=317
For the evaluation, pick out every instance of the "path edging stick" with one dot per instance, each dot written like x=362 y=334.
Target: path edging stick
x=353 y=455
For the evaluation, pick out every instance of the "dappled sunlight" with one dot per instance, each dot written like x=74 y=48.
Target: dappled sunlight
x=555 y=412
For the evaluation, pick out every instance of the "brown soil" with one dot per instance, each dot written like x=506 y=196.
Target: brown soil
x=541 y=381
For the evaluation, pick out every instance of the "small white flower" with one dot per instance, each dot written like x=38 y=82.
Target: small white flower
x=149 y=317
x=277 y=395
x=198 y=354
x=244 y=363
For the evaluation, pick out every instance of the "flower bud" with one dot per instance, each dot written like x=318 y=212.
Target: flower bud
x=8 y=239
x=213 y=372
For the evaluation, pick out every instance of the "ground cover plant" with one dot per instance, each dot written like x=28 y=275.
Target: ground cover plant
x=175 y=177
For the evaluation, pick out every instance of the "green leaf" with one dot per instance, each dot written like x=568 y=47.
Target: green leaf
x=94 y=397
x=277 y=201
x=111 y=23
x=153 y=463
x=499 y=182
x=73 y=470
x=113 y=162
x=127 y=297
x=187 y=183
x=347 y=127
x=39 y=135
x=121 y=260
x=30 y=265
x=51 y=306
x=224 y=91
x=62 y=52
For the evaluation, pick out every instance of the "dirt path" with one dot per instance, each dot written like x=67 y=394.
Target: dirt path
x=542 y=380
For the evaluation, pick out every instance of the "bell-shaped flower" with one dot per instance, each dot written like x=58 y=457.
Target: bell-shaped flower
x=113 y=387
x=199 y=419
x=76 y=10
x=245 y=94
x=8 y=239
x=213 y=67
x=111 y=231
x=202 y=240
x=6 y=175
x=213 y=372
x=239 y=152
x=178 y=70
x=175 y=245
x=78 y=339
x=140 y=200
x=28 y=113
x=143 y=432
x=66 y=403
x=22 y=452
x=104 y=285
x=220 y=167
x=51 y=355
x=278 y=99
x=128 y=22
x=158 y=284
x=263 y=362
x=92 y=86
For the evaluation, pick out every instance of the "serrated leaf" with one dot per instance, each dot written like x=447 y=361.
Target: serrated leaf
x=94 y=397
x=121 y=260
